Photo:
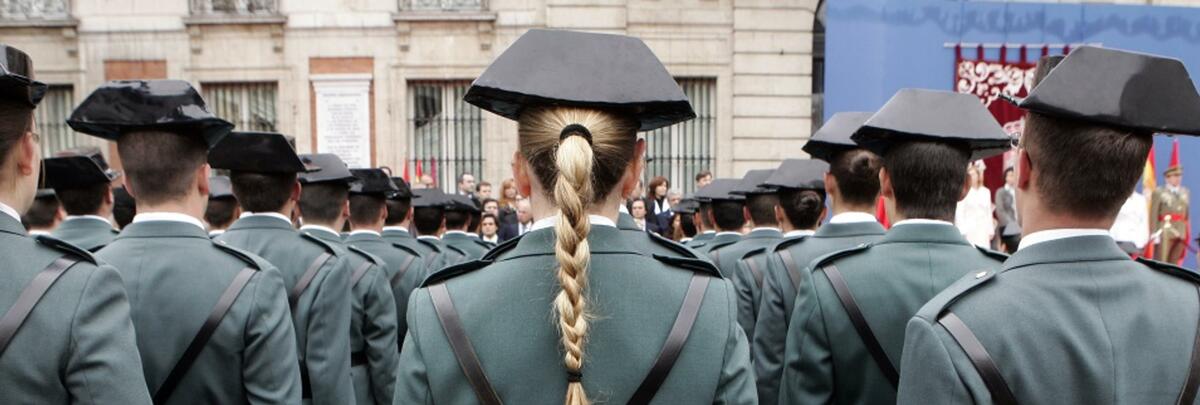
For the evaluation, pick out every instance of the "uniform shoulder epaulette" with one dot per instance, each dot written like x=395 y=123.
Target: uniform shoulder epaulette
x=483 y=244
x=329 y=248
x=455 y=249
x=672 y=245
x=60 y=245
x=1171 y=269
x=502 y=248
x=406 y=249
x=998 y=256
x=454 y=271
x=956 y=290
x=823 y=260
x=696 y=245
x=430 y=245
x=754 y=252
x=251 y=259
x=716 y=246
x=96 y=249
x=367 y=255
x=786 y=243
x=693 y=264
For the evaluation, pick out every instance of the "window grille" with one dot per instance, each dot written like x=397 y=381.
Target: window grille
x=249 y=106
x=34 y=10
x=235 y=7
x=445 y=133
x=51 y=116
x=442 y=5
x=680 y=151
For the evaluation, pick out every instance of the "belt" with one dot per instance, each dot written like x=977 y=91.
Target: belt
x=356 y=359
x=1173 y=217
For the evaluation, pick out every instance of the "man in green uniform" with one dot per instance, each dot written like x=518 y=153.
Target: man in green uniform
x=459 y=214
x=851 y=185
x=748 y=276
x=686 y=210
x=847 y=328
x=429 y=220
x=1169 y=207
x=368 y=212
x=83 y=184
x=66 y=335
x=263 y=170
x=705 y=229
x=222 y=208
x=324 y=205
x=1070 y=319
x=726 y=211
x=399 y=219
x=211 y=320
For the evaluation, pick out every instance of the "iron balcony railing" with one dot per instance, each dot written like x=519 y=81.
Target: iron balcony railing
x=34 y=10
x=443 y=5
x=248 y=8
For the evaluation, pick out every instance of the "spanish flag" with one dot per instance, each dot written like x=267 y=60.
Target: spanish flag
x=1149 y=183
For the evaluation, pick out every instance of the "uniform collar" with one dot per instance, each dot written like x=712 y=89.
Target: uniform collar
x=428 y=237
x=925 y=231
x=321 y=229
x=1071 y=249
x=275 y=215
x=850 y=217
x=548 y=222
x=216 y=232
x=10 y=211
x=921 y=221
x=1056 y=234
x=39 y=232
x=262 y=221
x=168 y=216
x=839 y=230
x=163 y=225
x=799 y=232
x=602 y=239
x=395 y=228
x=88 y=217
x=459 y=234
x=366 y=232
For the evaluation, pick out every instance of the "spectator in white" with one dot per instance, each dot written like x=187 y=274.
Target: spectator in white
x=637 y=208
x=466 y=184
x=656 y=196
x=973 y=216
x=1131 y=230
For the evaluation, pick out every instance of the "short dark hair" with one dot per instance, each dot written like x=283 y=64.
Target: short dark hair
x=365 y=208
x=1084 y=169
x=16 y=119
x=705 y=219
x=703 y=174
x=397 y=211
x=488 y=200
x=427 y=220
x=262 y=192
x=41 y=214
x=219 y=212
x=124 y=207
x=857 y=174
x=83 y=200
x=927 y=178
x=687 y=224
x=728 y=215
x=457 y=220
x=762 y=208
x=323 y=202
x=161 y=166
x=803 y=208
x=483 y=184
x=463 y=176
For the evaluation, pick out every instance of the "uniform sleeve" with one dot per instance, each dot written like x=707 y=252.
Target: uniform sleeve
x=736 y=385
x=271 y=373
x=770 y=331
x=412 y=380
x=743 y=284
x=103 y=366
x=327 y=354
x=927 y=373
x=808 y=358
x=380 y=335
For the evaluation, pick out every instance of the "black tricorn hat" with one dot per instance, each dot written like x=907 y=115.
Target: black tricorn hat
x=834 y=136
x=372 y=182
x=720 y=189
x=429 y=198
x=402 y=189
x=752 y=183
x=807 y=174
x=256 y=152
x=68 y=172
x=461 y=203
x=686 y=206
x=16 y=78
x=219 y=187
x=325 y=167
x=123 y=106
x=915 y=115
x=567 y=68
x=1121 y=89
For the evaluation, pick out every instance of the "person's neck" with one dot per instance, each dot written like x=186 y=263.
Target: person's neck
x=839 y=208
x=376 y=227
x=193 y=207
x=1036 y=219
x=334 y=225
x=11 y=201
x=541 y=207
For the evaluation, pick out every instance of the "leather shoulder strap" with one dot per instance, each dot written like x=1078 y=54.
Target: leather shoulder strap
x=979 y=357
x=461 y=345
x=676 y=338
x=789 y=264
x=752 y=265
x=860 y=325
x=33 y=292
x=197 y=345
x=359 y=272
x=306 y=279
x=395 y=282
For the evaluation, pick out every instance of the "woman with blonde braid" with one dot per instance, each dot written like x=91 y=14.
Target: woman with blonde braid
x=577 y=311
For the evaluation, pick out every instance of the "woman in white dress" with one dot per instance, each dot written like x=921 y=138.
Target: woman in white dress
x=974 y=214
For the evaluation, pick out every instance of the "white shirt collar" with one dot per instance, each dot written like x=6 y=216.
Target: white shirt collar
x=429 y=237
x=799 y=232
x=168 y=216
x=92 y=217
x=729 y=233
x=216 y=232
x=321 y=228
x=852 y=217
x=456 y=233
x=395 y=228
x=766 y=228
x=364 y=231
x=1056 y=234
x=548 y=222
x=922 y=221
x=708 y=232
x=275 y=215
x=10 y=211
x=39 y=233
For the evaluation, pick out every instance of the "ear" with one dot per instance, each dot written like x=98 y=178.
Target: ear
x=821 y=219
x=633 y=174
x=29 y=163
x=296 y=189
x=885 y=184
x=520 y=169
x=108 y=197
x=60 y=214
x=1024 y=170
x=831 y=186
x=346 y=209
x=202 y=180
x=746 y=214
x=780 y=217
x=383 y=213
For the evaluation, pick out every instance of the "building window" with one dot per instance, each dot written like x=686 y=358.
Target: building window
x=235 y=7
x=34 y=10
x=249 y=106
x=442 y=5
x=51 y=116
x=818 y=68
x=445 y=133
x=680 y=151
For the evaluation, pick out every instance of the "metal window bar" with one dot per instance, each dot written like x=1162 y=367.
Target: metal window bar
x=51 y=116
x=445 y=132
x=443 y=5
x=680 y=151
x=34 y=10
x=234 y=7
x=249 y=106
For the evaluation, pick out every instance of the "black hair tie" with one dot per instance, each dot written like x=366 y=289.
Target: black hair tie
x=574 y=376
x=575 y=130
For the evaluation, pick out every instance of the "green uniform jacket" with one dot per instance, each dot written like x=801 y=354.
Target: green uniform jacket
x=701 y=239
x=825 y=360
x=372 y=325
x=174 y=274
x=505 y=307
x=1068 y=321
x=437 y=255
x=322 y=314
x=472 y=247
x=90 y=234
x=78 y=344
x=402 y=238
x=746 y=282
x=779 y=295
x=721 y=241
x=404 y=272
